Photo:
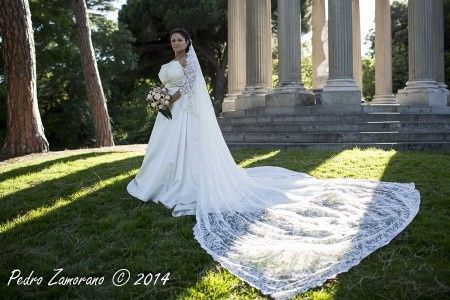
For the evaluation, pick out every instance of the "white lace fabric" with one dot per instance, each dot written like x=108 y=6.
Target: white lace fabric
x=188 y=88
x=190 y=75
x=289 y=236
x=281 y=231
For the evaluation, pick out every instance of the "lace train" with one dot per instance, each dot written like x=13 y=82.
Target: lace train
x=307 y=231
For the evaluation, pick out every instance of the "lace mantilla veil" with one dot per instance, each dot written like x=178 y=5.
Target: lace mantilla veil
x=281 y=231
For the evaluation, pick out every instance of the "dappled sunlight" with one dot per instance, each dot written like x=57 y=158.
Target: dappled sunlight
x=41 y=162
x=218 y=283
x=45 y=194
x=55 y=172
x=387 y=212
x=42 y=227
x=61 y=202
x=322 y=228
x=258 y=158
x=355 y=163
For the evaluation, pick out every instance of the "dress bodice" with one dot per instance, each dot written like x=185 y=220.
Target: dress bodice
x=171 y=75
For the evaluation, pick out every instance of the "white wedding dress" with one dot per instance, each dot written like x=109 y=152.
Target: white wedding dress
x=281 y=231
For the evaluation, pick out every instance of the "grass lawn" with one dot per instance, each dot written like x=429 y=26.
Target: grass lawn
x=73 y=212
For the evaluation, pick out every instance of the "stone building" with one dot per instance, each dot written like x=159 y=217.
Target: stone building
x=251 y=96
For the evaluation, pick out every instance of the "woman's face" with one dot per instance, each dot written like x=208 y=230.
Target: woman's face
x=178 y=42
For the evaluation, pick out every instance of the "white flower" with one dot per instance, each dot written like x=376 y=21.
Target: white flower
x=153 y=105
x=160 y=106
x=166 y=102
x=167 y=97
x=157 y=96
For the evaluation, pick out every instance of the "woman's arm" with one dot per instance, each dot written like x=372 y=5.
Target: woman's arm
x=175 y=97
x=189 y=79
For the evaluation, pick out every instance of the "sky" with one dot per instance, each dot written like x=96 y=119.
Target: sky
x=112 y=15
x=367 y=17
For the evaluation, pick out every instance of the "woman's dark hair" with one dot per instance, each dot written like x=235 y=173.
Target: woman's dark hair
x=185 y=34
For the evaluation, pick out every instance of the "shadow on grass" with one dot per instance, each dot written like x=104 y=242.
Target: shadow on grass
x=34 y=168
x=290 y=159
x=98 y=233
x=106 y=230
x=47 y=192
x=411 y=266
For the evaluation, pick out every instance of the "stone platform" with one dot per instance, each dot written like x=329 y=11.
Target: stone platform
x=385 y=126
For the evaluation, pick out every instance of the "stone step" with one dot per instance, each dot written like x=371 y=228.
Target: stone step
x=290 y=127
x=408 y=109
x=318 y=109
x=438 y=146
x=336 y=137
x=343 y=118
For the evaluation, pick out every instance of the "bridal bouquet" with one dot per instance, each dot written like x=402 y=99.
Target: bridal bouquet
x=160 y=100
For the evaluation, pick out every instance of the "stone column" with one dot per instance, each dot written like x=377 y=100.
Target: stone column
x=383 y=53
x=356 y=33
x=438 y=46
x=258 y=55
x=421 y=88
x=289 y=44
x=236 y=53
x=318 y=55
x=341 y=92
x=290 y=91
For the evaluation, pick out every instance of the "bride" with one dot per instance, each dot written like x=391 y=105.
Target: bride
x=281 y=231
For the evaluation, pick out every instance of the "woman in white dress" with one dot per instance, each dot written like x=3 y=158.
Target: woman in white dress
x=281 y=231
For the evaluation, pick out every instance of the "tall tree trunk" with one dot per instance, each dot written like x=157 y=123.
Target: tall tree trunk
x=25 y=133
x=220 y=80
x=97 y=100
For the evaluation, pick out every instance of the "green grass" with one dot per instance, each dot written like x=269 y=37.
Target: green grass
x=74 y=212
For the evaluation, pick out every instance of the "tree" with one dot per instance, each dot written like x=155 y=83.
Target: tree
x=96 y=97
x=151 y=21
x=25 y=132
x=368 y=67
x=63 y=103
x=447 y=40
